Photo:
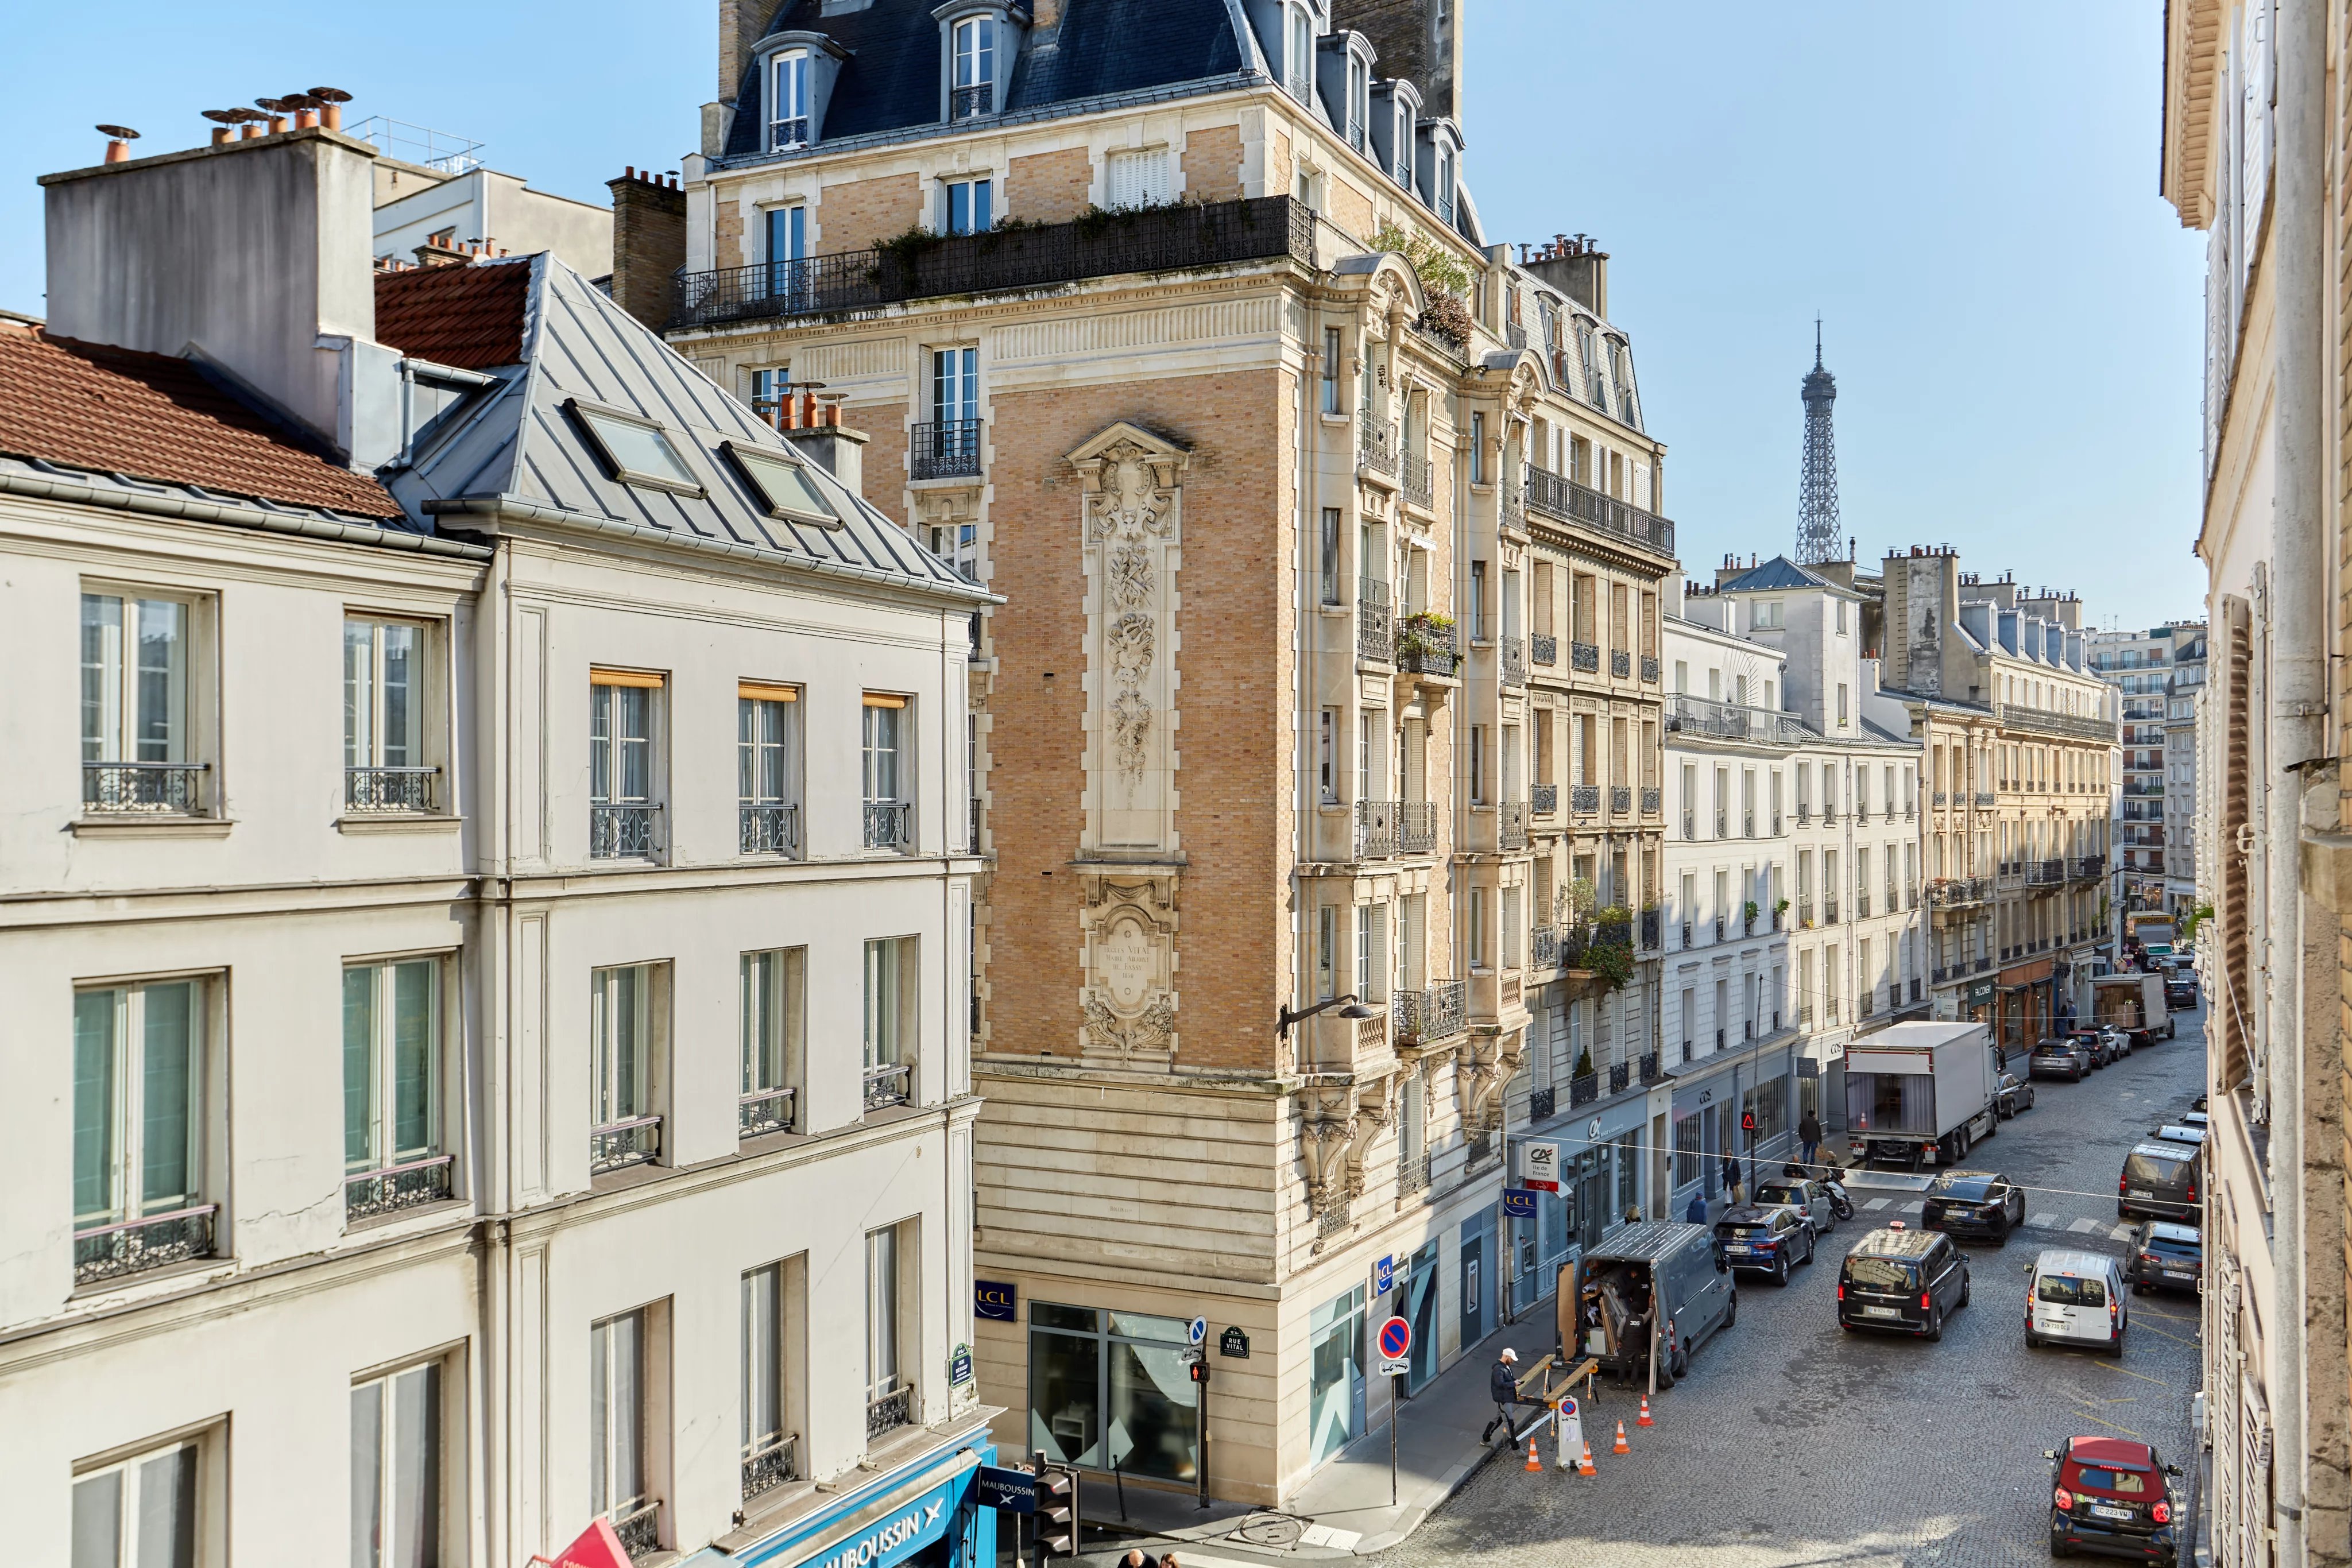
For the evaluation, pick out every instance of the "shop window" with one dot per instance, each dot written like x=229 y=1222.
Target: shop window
x=1335 y=1409
x=1111 y=1389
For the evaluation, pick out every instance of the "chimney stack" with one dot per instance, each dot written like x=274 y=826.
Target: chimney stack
x=649 y=243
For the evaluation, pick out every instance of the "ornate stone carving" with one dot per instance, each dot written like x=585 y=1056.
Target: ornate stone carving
x=1128 y=1004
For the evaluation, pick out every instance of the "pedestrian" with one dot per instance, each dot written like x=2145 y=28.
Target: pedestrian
x=1809 y=1133
x=1696 y=1213
x=1503 y=1383
x=1139 y=1558
x=1731 y=1173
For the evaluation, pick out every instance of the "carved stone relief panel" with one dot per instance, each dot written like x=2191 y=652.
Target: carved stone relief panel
x=1128 y=1000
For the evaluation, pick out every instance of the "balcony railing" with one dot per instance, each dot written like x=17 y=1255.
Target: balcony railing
x=1584 y=799
x=1515 y=661
x=946 y=450
x=1653 y=800
x=1150 y=239
x=1413 y=1172
x=1620 y=1073
x=1544 y=649
x=793 y=130
x=1651 y=1069
x=966 y=102
x=1984 y=797
x=1583 y=1089
x=770 y=1465
x=2044 y=873
x=1511 y=824
x=1414 y=479
x=388 y=788
x=2089 y=867
x=1375 y=446
x=1653 y=924
x=765 y=1111
x=889 y=1413
x=1829 y=909
x=1376 y=829
x=1621 y=664
x=166 y=788
x=1543 y=948
x=1687 y=715
x=1544 y=798
x=624 y=832
x=153 y=1241
x=1564 y=500
x=1416 y=827
x=638 y=1526
x=1748 y=823
x=1375 y=623
x=2041 y=721
x=1621 y=800
x=1425 y=647
x=892 y=1083
x=768 y=828
x=1584 y=657
x=890 y=825
x=394 y=1187
x=616 y=1145
x=1649 y=669
x=1435 y=1013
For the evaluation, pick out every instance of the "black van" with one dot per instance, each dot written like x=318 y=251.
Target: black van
x=2159 y=1180
x=1909 y=1281
x=1615 y=1307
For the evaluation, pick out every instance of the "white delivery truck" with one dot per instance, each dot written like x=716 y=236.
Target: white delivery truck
x=1920 y=1094
x=2132 y=1002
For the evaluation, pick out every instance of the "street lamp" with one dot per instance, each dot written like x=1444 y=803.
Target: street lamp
x=1349 y=1007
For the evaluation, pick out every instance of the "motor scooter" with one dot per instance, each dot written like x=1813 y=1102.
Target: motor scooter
x=1827 y=1174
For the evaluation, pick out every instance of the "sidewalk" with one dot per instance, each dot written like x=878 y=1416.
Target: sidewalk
x=1344 y=1509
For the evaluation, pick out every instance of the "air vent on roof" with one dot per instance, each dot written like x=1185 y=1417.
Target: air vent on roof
x=117 y=150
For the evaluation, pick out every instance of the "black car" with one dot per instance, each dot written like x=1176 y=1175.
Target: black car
x=2062 y=1058
x=2102 y=1048
x=1766 y=1238
x=1907 y=1281
x=2016 y=1095
x=2164 y=1255
x=2179 y=990
x=2112 y=1496
x=1973 y=1203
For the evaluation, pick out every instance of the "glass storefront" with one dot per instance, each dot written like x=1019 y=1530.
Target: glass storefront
x=1335 y=1398
x=1420 y=1312
x=1110 y=1390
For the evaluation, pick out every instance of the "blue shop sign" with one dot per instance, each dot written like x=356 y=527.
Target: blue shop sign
x=995 y=1301
x=1518 y=1203
x=895 y=1521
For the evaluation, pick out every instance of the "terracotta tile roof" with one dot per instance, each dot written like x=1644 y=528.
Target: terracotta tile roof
x=469 y=317
x=88 y=405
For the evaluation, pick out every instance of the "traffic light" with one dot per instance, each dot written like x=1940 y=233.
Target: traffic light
x=1199 y=1368
x=1747 y=1121
x=1057 y=1523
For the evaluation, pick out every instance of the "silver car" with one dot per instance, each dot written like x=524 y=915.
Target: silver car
x=1808 y=1198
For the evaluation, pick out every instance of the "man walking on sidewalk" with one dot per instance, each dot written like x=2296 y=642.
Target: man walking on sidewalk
x=1503 y=1383
x=1809 y=1133
x=1731 y=1173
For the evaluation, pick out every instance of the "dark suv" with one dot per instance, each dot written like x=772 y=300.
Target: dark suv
x=2164 y=1254
x=1767 y=1240
x=2061 y=1058
x=1909 y=1281
x=2159 y=1180
x=1973 y=1203
x=2111 y=1496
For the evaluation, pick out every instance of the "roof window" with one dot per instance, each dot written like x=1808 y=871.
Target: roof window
x=975 y=69
x=783 y=483
x=788 y=120
x=638 y=449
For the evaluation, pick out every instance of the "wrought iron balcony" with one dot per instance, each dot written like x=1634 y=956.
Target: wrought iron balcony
x=1862 y=906
x=1515 y=661
x=1416 y=827
x=2041 y=721
x=890 y=1412
x=150 y=1241
x=1543 y=948
x=1651 y=1069
x=793 y=130
x=638 y=1527
x=1690 y=824
x=1511 y=824
x=1620 y=1073
x=1376 y=829
x=1583 y=1089
x=1621 y=800
x=394 y=1187
x=969 y=102
x=1584 y=657
x=766 y=1111
x=770 y=1465
x=1649 y=669
x=1426 y=647
x=162 y=787
x=1653 y=800
x=948 y=449
x=388 y=788
x=2090 y=867
x=2045 y=872
x=1435 y=1013
x=1542 y=1103
x=1984 y=797
x=1621 y=664
x=1414 y=477
x=1829 y=909
x=1544 y=649
x=1564 y=500
x=1544 y=798
x=1149 y=239
x=892 y=1083
x=1652 y=925
x=1748 y=823
x=622 y=832
x=1687 y=715
x=1413 y=1172
x=1939 y=799
x=890 y=825
x=1515 y=334
x=768 y=828
x=616 y=1145
x=1375 y=446
x=1375 y=623
x=1584 y=799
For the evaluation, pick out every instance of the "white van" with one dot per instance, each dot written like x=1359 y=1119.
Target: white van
x=2076 y=1298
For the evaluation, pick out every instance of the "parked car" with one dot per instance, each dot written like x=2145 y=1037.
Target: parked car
x=2119 y=1041
x=1806 y=1196
x=2196 y=1118
x=2105 y=1046
x=2159 y=1180
x=2164 y=1254
x=2187 y=1133
x=2016 y=1095
x=2075 y=1298
x=2063 y=1057
x=2179 y=990
x=1907 y=1281
x=2112 y=1496
x=1973 y=1203
x=1766 y=1238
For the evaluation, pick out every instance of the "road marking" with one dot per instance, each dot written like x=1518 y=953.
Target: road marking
x=2083 y=1226
x=2128 y=1372
x=1878 y=1203
x=2126 y=1431
x=1911 y=1208
x=2122 y=1232
x=2043 y=1222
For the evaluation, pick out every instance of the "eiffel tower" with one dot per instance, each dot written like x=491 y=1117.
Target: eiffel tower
x=1816 y=495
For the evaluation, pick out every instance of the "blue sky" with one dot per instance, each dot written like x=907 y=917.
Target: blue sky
x=1965 y=192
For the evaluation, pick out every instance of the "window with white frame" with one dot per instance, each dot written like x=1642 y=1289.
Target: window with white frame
x=1300 y=65
x=138 y=741
x=787 y=278
x=1444 y=193
x=768 y=767
x=893 y=975
x=622 y=705
x=1327 y=756
x=384 y=766
x=392 y=1158
x=618 y=1484
x=141 y=1512
x=624 y=1019
x=888 y=1399
x=772 y=1008
x=887 y=764
x=1327 y=951
x=1137 y=178
x=1371 y=952
x=1359 y=100
x=968 y=206
x=788 y=116
x=771 y=1455
x=975 y=69
x=140 y=1114
x=396 y=1504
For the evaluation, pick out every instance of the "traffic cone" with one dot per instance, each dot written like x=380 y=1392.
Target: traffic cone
x=1535 y=1466
x=1584 y=1465
x=1645 y=1420
x=1620 y=1448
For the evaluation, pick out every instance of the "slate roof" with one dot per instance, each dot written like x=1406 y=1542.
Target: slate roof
x=890 y=80
x=1779 y=572
x=151 y=416
x=514 y=441
x=469 y=317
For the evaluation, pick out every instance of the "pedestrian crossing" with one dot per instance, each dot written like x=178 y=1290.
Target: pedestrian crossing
x=2084 y=1226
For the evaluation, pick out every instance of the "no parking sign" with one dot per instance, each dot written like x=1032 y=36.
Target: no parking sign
x=1568 y=1423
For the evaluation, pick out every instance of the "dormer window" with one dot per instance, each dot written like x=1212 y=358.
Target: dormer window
x=973 y=91
x=1360 y=100
x=1401 y=141
x=1300 y=62
x=1441 y=196
x=788 y=122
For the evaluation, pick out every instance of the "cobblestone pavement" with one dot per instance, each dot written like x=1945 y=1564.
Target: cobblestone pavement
x=1793 y=1442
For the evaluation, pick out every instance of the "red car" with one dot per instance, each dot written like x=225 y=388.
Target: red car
x=2112 y=1496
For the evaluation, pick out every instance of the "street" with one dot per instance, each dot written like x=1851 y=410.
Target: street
x=1793 y=1441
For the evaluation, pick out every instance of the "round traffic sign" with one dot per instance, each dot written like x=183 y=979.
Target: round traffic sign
x=1396 y=1338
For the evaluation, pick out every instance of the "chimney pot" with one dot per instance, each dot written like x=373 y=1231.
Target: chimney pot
x=306 y=119
x=628 y=170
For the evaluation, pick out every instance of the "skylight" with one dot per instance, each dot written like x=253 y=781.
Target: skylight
x=638 y=449
x=784 y=484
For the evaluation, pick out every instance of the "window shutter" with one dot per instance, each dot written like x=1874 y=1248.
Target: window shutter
x=2231 y=1019
x=1139 y=178
x=598 y=676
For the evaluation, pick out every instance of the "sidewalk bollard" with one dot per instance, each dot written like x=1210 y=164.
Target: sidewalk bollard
x=1620 y=1448
x=1535 y=1466
x=1584 y=1465
x=1645 y=1420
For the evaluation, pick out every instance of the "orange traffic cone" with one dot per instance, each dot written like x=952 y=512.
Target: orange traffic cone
x=1645 y=1420
x=1535 y=1466
x=1584 y=1465
x=1620 y=1448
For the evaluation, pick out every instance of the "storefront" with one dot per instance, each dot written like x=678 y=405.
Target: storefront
x=1336 y=1390
x=1711 y=1098
x=1821 y=1081
x=1600 y=1175
x=2023 y=1005
x=923 y=1514
x=1112 y=1390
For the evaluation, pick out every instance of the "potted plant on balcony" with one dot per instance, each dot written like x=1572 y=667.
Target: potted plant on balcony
x=1418 y=635
x=1748 y=917
x=1780 y=915
x=1444 y=280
